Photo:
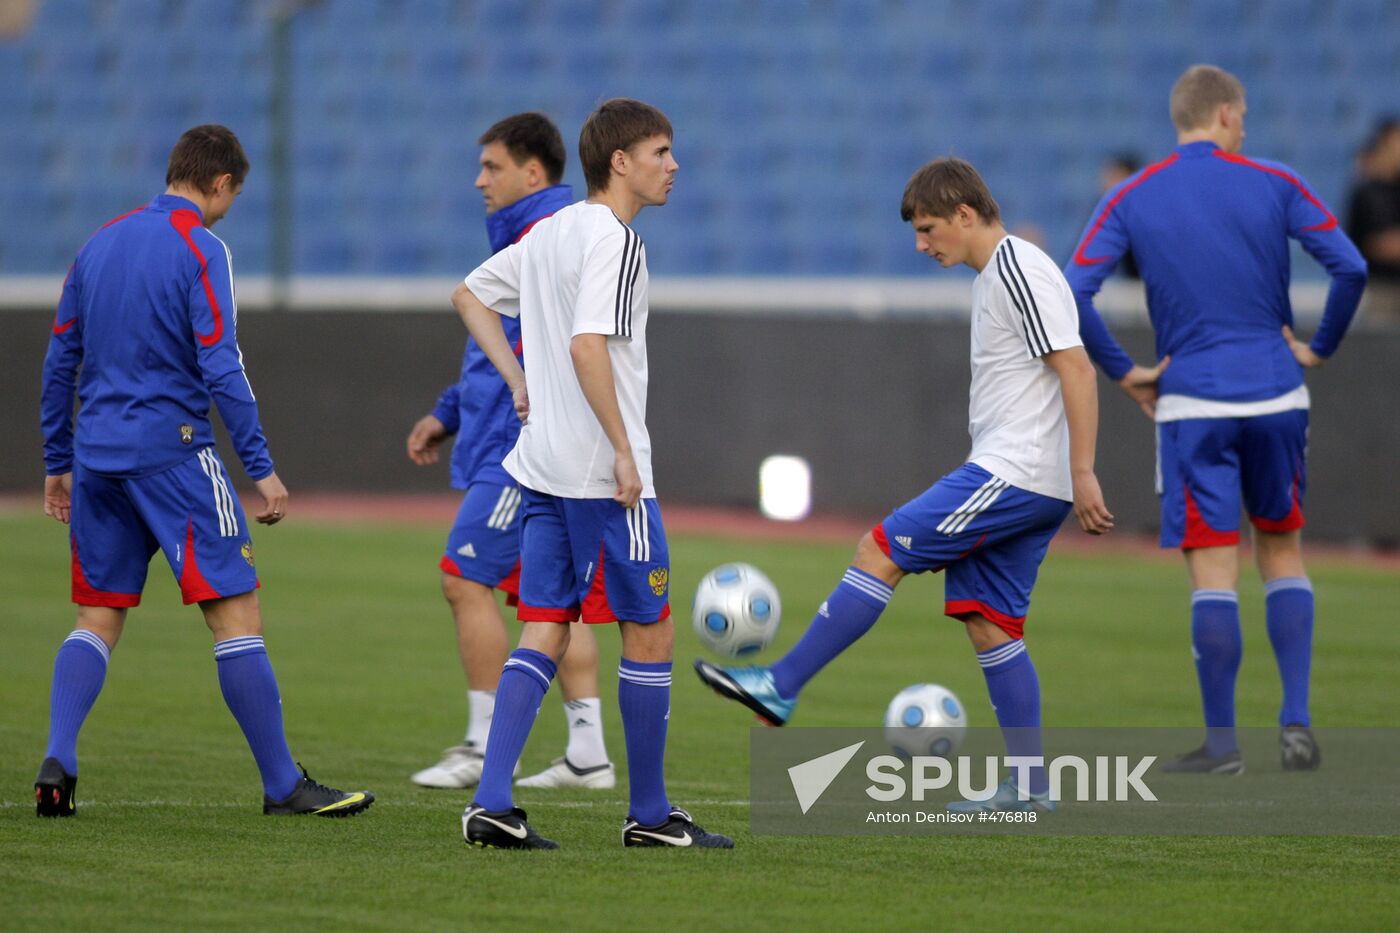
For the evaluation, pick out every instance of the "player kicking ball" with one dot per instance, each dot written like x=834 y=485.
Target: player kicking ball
x=592 y=546
x=148 y=315
x=1034 y=420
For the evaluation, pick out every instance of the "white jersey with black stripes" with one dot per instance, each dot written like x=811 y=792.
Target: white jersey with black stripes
x=580 y=271
x=1022 y=309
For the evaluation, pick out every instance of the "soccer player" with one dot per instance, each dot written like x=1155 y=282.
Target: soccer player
x=148 y=314
x=522 y=161
x=1209 y=229
x=1033 y=412
x=593 y=545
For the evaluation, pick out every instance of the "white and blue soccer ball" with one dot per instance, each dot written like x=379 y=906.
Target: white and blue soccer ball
x=736 y=610
x=925 y=719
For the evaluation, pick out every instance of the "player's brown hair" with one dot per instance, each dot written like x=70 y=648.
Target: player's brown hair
x=619 y=123
x=941 y=185
x=529 y=136
x=1199 y=92
x=203 y=154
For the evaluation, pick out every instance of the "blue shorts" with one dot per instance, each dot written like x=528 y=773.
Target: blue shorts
x=188 y=511
x=1207 y=468
x=988 y=534
x=592 y=559
x=484 y=544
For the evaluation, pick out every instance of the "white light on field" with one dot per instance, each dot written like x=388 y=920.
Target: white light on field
x=784 y=488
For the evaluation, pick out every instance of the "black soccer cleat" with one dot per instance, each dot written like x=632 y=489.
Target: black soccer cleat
x=53 y=790
x=318 y=800
x=501 y=829
x=1298 y=749
x=1201 y=761
x=679 y=832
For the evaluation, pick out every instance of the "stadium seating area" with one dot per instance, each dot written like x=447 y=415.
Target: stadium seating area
x=797 y=122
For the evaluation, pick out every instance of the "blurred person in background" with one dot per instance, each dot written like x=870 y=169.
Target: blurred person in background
x=522 y=162
x=1373 y=219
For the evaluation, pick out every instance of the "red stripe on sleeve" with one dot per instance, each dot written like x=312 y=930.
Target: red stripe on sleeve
x=1079 y=257
x=122 y=217
x=63 y=328
x=184 y=222
x=1237 y=159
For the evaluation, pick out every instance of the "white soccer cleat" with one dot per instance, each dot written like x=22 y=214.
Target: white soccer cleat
x=561 y=773
x=460 y=767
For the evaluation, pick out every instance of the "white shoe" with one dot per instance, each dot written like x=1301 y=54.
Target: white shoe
x=561 y=773
x=460 y=767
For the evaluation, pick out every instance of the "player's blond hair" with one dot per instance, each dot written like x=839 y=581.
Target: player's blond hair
x=940 y=186
x=1198 y=94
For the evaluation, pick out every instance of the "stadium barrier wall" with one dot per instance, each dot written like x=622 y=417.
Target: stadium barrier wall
x=878 y=407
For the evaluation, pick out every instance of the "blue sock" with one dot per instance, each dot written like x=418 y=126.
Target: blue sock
x=644 y=698
x=847 y=614
x=524 y=681
x=1014 y=689
x=1289 y=611
x=1217 y=647
x=78 y=672
x=250 y=690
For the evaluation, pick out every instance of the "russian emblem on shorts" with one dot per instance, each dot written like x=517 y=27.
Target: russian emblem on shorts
x=247 y=552
x=186 y=433
x=657 y=579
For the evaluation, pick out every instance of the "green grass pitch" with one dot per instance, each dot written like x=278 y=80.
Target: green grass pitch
x=169 y=832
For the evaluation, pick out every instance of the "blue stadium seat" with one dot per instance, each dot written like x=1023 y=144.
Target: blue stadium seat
x=498 y=17
x=143 y=59
x=64 y=18
x=216 y=17
x=1368 y=17
x=1224 y=15
x=323 y=254
x=396 y=254
x=23 y=255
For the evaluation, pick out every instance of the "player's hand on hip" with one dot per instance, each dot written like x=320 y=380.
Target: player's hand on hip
x=1140 y=383
x=58 y=497
x=274 y=499
x=521 y=399
x=425 y=438
x=1301 y=351
x=1094 y=517
x=629 y=481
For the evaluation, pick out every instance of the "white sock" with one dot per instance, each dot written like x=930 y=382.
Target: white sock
x=480 y=705
x=585 y=718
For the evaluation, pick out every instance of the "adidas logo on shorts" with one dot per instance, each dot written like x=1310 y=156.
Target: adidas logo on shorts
x=904 y=541
x=467 y=550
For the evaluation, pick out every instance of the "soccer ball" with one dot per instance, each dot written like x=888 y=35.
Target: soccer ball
x=736 y=610
x=925 y=719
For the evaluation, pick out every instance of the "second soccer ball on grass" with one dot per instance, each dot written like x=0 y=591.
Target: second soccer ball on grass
x=925 y=719
x=736 y=610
